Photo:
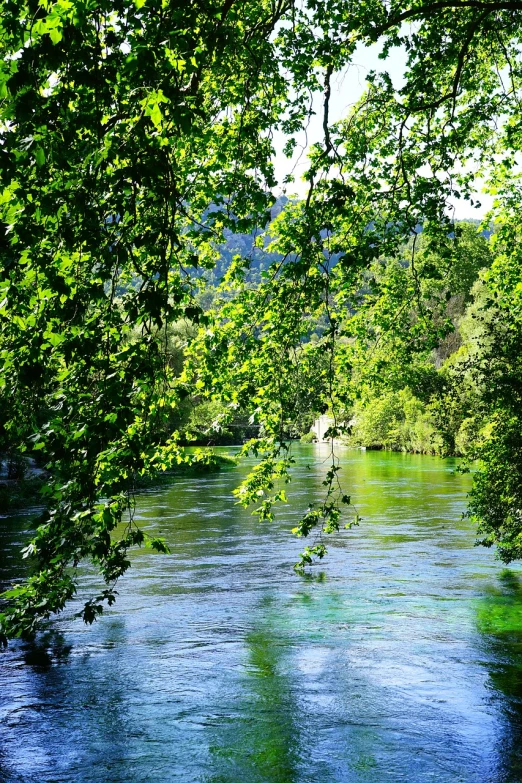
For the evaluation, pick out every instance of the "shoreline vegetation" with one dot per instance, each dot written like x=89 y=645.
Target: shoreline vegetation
x=423 y=392
x=17 y=494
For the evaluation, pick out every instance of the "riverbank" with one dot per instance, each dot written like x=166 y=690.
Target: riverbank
x=18 y=494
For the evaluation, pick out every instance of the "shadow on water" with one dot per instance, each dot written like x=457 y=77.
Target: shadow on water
x=65 y=724
x=499 y=620
x=45 y=651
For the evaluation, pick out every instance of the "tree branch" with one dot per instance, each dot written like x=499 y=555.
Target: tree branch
x=433 y=8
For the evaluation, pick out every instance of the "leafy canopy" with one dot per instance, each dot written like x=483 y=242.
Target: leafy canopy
x=133 y=135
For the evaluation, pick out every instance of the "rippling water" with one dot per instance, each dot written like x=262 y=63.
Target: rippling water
x=400 y=660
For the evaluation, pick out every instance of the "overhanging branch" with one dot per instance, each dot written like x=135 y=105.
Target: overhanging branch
x=423 y=11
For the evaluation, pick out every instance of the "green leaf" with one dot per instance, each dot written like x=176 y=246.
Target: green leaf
x=39 y=156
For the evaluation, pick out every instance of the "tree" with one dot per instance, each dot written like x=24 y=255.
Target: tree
x=496 y=496
x=134 y=133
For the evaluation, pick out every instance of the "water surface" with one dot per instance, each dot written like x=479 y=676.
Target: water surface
x=399 y=660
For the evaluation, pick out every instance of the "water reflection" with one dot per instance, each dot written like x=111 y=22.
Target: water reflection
x=262 y=744
x=499 y=619
x=399 y=660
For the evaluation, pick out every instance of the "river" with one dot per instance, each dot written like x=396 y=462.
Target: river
x=400 y=659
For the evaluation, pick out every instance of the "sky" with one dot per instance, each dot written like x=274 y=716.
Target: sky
x=347 y=88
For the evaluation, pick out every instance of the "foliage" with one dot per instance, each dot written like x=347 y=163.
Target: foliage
x=134 y=136
x=397 y=421
x=496 y=496
x=410 y=373
x=122 y=125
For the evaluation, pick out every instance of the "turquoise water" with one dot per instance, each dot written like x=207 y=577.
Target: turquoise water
x=399 y=660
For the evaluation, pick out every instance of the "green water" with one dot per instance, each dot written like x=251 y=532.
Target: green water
x=399 y=660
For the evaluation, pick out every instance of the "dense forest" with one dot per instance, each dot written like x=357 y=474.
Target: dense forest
x=156 y=292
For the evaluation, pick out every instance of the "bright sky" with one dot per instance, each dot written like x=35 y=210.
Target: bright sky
x=347 y=88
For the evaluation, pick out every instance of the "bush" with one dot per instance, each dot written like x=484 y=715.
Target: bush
x=397 y=421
